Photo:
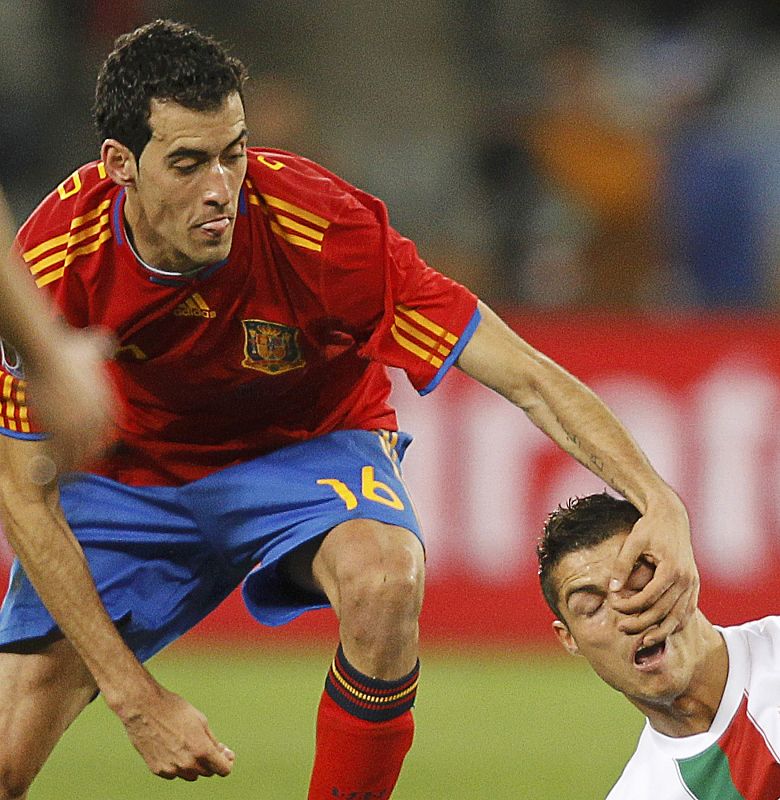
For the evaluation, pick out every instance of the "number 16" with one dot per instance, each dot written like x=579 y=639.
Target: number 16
x=371 y=488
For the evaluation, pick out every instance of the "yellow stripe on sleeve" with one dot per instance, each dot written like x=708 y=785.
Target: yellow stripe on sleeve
x=90 y=215
x=50 y=244
x=420 y=336
x=413 y=348
x=57 y=241
x=296 y=226
x=283 y=205
x=72 y=256
x=427 y=323
x=72 y=239
x=297 y=240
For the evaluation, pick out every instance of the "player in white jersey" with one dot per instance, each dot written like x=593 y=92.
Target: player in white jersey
x=711 y=696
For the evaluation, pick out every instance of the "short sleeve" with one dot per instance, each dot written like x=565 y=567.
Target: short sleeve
x=410 y=316
x=15 y=419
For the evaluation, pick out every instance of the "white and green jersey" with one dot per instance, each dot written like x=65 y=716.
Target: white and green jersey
x=737 y=758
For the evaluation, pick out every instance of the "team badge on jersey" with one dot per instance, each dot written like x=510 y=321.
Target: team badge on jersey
x=270 y=347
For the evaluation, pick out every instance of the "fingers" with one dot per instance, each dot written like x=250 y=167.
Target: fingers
x=655 y=604
x=221 y=761
x=101 y=341
x=660 y=617
x=625 y=561
x=651 y=597
x=74 y=398
x=218 y=762
x=175 y=741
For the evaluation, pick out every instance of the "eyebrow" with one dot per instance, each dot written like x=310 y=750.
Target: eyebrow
x=193 y=152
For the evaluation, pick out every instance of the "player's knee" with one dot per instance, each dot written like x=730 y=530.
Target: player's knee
x=382 y=591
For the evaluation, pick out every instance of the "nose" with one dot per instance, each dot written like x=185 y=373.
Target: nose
x=217 y=186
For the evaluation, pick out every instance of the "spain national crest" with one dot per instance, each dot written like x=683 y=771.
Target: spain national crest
x=270 y=347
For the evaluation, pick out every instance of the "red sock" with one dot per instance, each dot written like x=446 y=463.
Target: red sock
x=364 y=729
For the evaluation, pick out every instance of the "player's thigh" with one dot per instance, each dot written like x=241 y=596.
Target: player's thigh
x=41 y=693
x=370 y=559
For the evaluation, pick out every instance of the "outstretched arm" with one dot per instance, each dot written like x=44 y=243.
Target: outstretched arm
x=69 y=388
x=579 y=422
x=172 y=736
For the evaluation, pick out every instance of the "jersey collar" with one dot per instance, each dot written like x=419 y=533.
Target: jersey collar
x=154 y=274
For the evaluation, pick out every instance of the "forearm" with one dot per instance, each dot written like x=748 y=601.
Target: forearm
x=564 y=409
x=580 y=423
x=55 y=565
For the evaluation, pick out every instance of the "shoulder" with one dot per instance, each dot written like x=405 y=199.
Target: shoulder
x=75 y=211
x=761 y=636
x=285 y=181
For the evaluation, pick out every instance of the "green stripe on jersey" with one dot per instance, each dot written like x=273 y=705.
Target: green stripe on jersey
x=707 y=775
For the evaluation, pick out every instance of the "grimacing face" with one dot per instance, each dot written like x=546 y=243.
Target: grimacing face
x=589 y=627
x=182 y=195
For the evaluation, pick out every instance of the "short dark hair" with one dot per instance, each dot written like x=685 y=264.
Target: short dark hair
x=582 y=523
x=163 y=60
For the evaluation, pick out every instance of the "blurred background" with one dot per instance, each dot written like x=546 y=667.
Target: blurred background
x=607 y=174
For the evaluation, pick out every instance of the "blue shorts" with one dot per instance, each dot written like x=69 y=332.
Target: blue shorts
x=164 y=557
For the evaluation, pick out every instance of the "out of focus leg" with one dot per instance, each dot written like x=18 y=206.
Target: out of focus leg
x=41 y=693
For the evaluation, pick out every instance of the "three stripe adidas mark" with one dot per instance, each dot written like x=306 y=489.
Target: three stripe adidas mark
x=194 y=306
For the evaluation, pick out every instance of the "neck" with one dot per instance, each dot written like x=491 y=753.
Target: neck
x=693 y=710
x=150 y=252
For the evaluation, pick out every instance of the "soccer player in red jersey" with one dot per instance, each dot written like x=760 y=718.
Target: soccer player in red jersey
x=256 y=300
x=64 y=369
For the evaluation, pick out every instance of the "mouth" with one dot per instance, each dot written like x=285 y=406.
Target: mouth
x=214 y=228
x=649 y=658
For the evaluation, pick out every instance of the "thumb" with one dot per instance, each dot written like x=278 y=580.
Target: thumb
x=225 y=755
x=624 y=563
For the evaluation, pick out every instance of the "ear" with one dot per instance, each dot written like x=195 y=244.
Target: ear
x=119 y=162
x=565 y=638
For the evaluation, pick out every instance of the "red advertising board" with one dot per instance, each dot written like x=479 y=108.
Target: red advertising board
x=702 y=397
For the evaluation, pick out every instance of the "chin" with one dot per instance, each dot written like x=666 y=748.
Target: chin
x=663 y=692
x=210 y=255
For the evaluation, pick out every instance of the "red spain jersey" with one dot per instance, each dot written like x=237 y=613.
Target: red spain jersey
x=287 y=339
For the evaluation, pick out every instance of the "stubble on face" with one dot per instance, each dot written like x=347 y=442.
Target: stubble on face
x=182 y=206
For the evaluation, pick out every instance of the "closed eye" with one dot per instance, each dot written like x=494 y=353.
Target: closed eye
x=585 y=603
x=186 y=168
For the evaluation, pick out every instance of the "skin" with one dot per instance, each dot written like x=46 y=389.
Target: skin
x=181 y=204
x=182 y=196
x=678 y=690
x=579 y=422
x=64 y=371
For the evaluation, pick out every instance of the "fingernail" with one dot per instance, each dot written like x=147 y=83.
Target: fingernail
x=614 y=585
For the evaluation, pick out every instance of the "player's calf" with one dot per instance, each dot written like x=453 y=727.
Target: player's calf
x=373 y=575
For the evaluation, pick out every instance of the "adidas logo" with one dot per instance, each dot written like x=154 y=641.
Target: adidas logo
x=194 y=306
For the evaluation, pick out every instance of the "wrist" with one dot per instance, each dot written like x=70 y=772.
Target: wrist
x=127 y=695
x=664 y=500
